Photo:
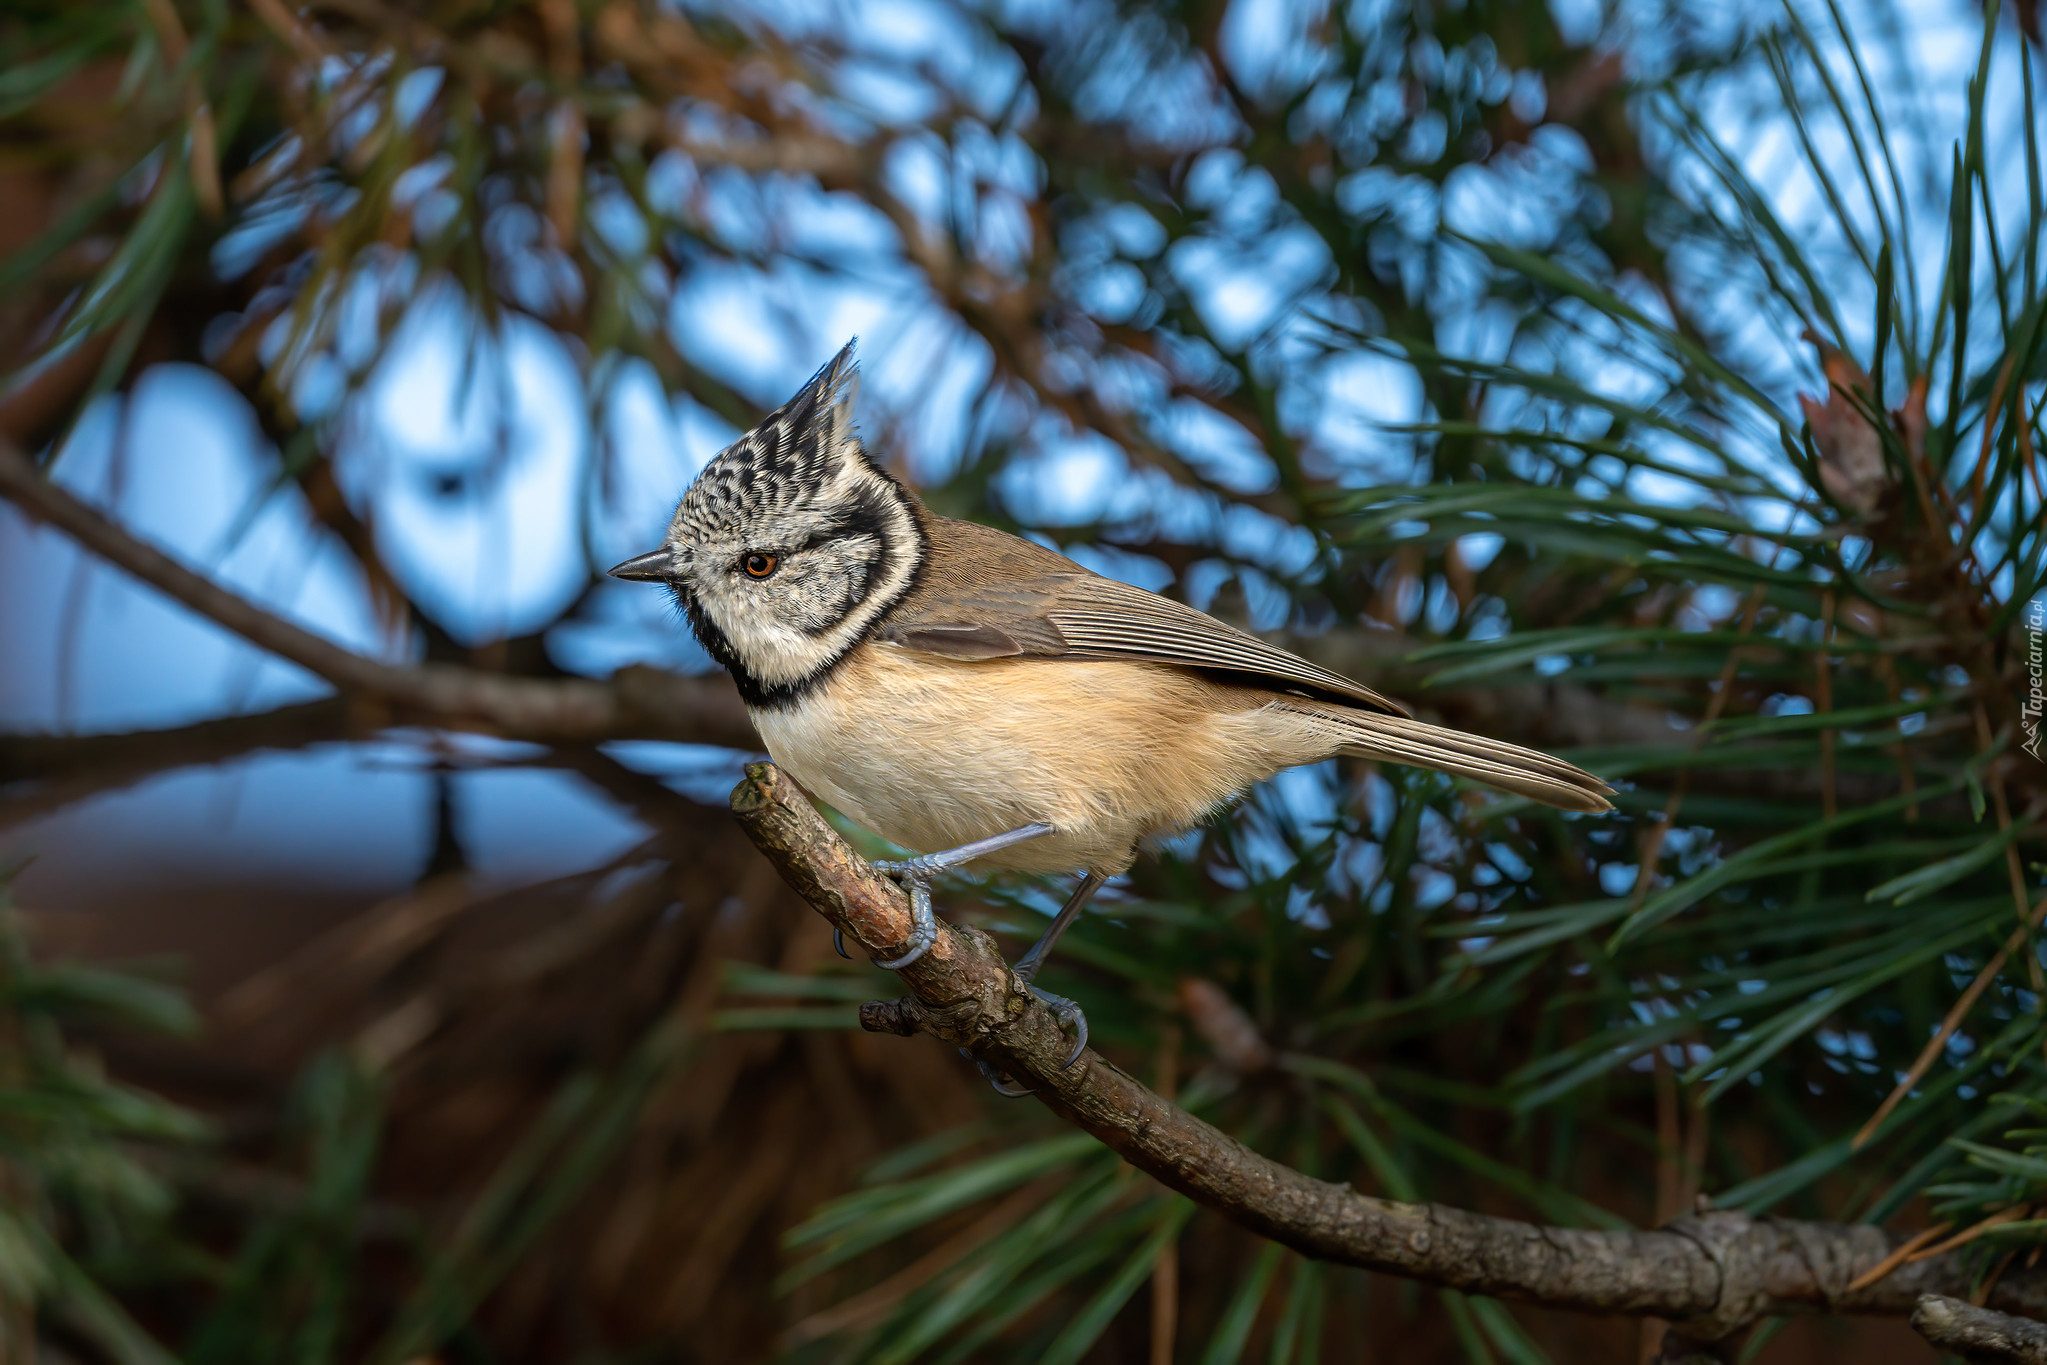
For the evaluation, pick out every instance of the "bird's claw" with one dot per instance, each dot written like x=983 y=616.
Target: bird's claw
x=1003 y=1083
x=914 y=875
x=915 y=878
x=839 y=943
x=1069 y=1015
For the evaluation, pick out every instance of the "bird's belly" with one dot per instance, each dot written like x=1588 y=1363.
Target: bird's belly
x=931 y=753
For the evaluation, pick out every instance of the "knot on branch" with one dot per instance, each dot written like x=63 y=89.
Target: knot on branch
x=900 y=1017
x=961 y=1023
x=1978 y=1334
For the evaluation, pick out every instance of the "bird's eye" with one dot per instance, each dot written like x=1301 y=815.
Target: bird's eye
x=758 y=565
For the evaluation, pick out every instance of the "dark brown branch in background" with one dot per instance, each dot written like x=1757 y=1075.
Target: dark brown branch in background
x=637 y=702
x=70 y=768
x=59 y=770
x=109 y=757
x=1978 y=1334
x=1711 y=1275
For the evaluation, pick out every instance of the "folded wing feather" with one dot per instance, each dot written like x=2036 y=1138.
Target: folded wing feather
x=1084 y=616
x=1014 y=599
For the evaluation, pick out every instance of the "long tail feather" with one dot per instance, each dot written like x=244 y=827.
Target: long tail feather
x=1511 y=768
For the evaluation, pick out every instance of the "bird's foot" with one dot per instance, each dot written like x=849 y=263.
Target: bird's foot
x=1004 y=1084
x=1069 y=1016
x=914 y=876
x=921 y=866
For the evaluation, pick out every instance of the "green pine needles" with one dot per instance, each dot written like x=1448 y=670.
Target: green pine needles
x=1669 y=398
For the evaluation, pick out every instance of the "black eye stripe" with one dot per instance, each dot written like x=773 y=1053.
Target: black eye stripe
x=858 y=520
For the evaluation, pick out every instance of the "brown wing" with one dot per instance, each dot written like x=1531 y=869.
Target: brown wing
x=988 y=595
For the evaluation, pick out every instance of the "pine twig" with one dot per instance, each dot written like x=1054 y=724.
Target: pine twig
x=1970 y=1233
x=1711 y=1274
x=1979 y=1334
x=1900 y=1254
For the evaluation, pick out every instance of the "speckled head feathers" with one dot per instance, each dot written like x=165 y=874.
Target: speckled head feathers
x=791 y=544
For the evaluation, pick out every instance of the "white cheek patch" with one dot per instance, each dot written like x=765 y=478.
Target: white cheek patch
x=820 y=587
x=785 y=628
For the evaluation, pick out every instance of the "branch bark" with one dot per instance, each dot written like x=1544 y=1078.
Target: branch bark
x=1979 y=1334
x=636 y=702
x=1710 y=1275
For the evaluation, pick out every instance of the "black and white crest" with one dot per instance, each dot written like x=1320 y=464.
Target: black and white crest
x=791 y=544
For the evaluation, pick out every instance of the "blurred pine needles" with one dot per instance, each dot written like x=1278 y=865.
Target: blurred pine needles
x=1799 y=971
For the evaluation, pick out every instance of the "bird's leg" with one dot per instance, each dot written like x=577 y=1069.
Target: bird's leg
x=915 y=876
x=1027 y=966
x=1068 y=1013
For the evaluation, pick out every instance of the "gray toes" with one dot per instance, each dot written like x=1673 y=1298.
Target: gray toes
x=1000 y=1081
x=924 y=931
x=1070 y=1016
x=919 y=946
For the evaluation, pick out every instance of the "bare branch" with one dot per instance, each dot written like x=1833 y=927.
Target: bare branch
x=60 y=770
x=1711 y=1274
x=59 y=757
x=1978 y=1334
x=636 y=702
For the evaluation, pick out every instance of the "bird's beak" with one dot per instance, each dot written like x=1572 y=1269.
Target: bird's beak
x=653 y=567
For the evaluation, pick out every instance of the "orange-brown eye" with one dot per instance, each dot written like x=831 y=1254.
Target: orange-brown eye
x=758 y=565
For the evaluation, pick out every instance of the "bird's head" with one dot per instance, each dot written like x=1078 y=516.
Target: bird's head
x=790 y=544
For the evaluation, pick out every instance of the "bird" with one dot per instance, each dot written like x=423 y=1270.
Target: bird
x=963 y=691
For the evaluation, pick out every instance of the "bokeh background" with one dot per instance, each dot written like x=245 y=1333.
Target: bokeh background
x=1460 y=346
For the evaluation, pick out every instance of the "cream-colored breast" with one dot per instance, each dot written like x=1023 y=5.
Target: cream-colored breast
x=931 y=753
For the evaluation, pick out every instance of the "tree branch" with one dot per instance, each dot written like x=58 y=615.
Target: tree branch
x=636 y=702
x=53 y=758
x=1711 y=1275
x=1978 y=1334
x=60 y=770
